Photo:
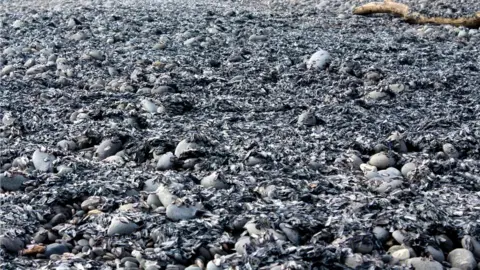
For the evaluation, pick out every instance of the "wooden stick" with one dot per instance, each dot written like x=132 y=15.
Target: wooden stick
x=402 y=10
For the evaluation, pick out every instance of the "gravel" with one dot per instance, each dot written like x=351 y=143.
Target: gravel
x=252 y=134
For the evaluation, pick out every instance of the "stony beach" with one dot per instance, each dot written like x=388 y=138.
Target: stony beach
x=282 y=134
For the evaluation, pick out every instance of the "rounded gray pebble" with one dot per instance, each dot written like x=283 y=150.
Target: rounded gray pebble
x=462 y=258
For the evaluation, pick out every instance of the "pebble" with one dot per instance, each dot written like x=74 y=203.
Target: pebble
x=258 y=38
x=164 y=195
x=450 y=150
x=176 y=211
x=407 y=168
x=121 y=226
x=166 y=161
x=18 y=24
x=43 y=161
x=376 y=95
x=380 y=160
x=307 y=118
x=437 y=254
x=381 y=234
x=108 y=147
x=11 y=244
x=55 y=248
x=214 y=180
x=424 y=264
x=318 y=60
x=184 y=146
x=11 y=182
x=153 y=200
x=401 y=254
x=96 y=54
x=462 y=258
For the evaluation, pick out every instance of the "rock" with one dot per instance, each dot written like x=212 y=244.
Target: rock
x=164 y=195
x=11 y=244
x=445 y=243
x=18 y=24
x=376 y=95
x=149 y=106
x=91 y=203
x=462 y=258
x=424 y=264
x=55 y=248
x=397 y=88
x=241 y=244
x=450 y=150
x=184 y=146
x=96 y=54
x=318 y=60
x=214 y=180
x=6 y=70
x=121 y=226
x=11 y=181
x=153 y=200
x=470 y=243
x=437 y=254
x=354 y=260
x=380 y=160
x=179 y=211
x=166 y=161
x=108 y=147
x=407 y=168
x=290 y=233
x=67 y=145
x=381 y=234
x=307 y=118
x=258 y=38
x=57 y=219
x=399 y=236
x=43 y=161
x=401 y=255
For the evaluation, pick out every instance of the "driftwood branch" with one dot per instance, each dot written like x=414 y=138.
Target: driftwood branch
x=402 y=10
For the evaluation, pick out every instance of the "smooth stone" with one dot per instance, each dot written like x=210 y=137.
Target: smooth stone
x=166 y=161
x=149 y=106
x=389 y=186
x=67 y=145
x=91 y=203
x=290 y=233
x=397 y=88
x=450 y=150
x=96 y=54
x=121 y=226
x=381 y=234
x=153 y=200
x=43 y=161
x=462 y=258
x=258 y=38
x=380 y=160
x=437 y=254
x=11 y=244
x=445 y=243
x=241 y=244
x=164 y=195
x=398 y=236
x=355 y=161
x=18 y=24
x=354 y=260
x=376 y=95
x=11 y=182
x=408 y=167
x=55 y=248
x=401 y=255
x=470 y=243
x=83 y=242
x=181 y=212
x=214 y=180
x=393 y=171
x=58 y=219
x=108 y=147
x=184 y=146
x=64 y=170
x=318 y=60
x=151 y=185
x=6 y=70
x=424 y=264
x=307 y=118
